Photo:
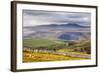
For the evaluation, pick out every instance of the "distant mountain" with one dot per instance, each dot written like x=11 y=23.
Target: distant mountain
x=74 y=36
x=68 y=31
x=69 y=25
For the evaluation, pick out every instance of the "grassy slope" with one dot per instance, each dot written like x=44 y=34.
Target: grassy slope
x=65 y=50
x=40 y=42
x=41 y=57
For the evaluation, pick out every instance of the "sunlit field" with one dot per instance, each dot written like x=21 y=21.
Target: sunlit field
x=48 y=50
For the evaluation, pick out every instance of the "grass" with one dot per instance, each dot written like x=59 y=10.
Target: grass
x=42 y=57
x=40 y=42
x=65 y=50
x=31 y=56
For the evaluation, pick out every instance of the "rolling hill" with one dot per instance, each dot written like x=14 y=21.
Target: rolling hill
x=67 y=32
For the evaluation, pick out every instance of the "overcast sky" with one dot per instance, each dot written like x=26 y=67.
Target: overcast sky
x=34 y=17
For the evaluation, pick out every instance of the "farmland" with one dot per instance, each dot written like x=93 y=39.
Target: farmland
x=39 y=50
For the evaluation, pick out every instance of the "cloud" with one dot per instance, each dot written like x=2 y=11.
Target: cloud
x=36 y=17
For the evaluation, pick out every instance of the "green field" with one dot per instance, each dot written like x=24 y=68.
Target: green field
x=41 y=42
x=55 y=47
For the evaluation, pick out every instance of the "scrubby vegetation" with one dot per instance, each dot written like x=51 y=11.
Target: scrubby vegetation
x=41 y=57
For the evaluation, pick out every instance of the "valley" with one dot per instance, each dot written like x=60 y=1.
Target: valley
x=56 y=42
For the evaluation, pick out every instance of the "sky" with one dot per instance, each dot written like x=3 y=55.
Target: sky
x=37 y=17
